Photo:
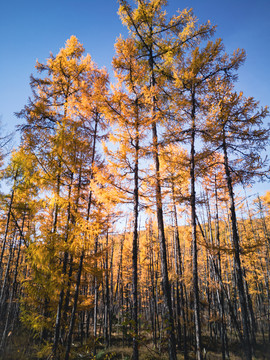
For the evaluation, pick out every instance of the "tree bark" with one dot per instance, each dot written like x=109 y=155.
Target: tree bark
x=7 y=223
x=237 y=261
x=73 y=314
x=194 y=238
x=135 y=354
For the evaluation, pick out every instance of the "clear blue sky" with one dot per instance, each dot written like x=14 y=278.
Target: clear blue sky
x=31 y=29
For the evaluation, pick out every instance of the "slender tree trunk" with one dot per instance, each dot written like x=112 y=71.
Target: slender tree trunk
x=61 y=295
x=237 y=261
x=11 y=297
x=4 y=291
x=194 y=238
x=73 y=314
x=163 y=252
x=67 y=297
x=179 y=266
x=111 y=308
x=7 y=223
x=107 y=295
x=161 y=231
x=220 y=294
x=95 y=299
x=135 y=355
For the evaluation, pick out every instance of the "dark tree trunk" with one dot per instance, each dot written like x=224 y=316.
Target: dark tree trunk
x=135 y=355
x=237 y=261
x=73 y=314
x=163 y=252
x=179 y=269
x=107 y=296
x=95 y=299
x=220 y=294
x=61 y=295
x=194 y=238
x=11 y=304
x=7 y=224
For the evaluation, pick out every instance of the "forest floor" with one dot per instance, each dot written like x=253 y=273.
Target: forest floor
x=22 y=348
x=125 y=353
x=147 y=351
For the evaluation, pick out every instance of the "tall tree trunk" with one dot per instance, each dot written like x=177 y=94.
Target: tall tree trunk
x=107 y=295
x=64 y=270
x=73 y=314
x=163 y=252
x=161 y=232
x=11 y=296
x=111 y=308
x=95 y=299
x=237 y=261
x=135 y=354
x=220 y=294
x=194 y=238
x=179 y=269
x=7 y=223
x=4 y=292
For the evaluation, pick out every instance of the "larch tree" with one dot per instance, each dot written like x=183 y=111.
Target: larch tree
x=235 y=128
x=191 y=75
x=23 y=208
x=158 y=41
x=62 y=133
x=175 y=179
x=126 y=110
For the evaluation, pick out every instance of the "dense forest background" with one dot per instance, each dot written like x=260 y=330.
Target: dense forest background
x=127 y=231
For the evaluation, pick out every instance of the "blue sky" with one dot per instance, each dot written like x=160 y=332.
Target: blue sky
x=31 y=29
